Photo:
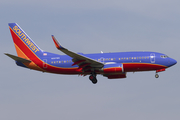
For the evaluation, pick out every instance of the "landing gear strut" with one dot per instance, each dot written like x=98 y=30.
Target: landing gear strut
x=93 y=79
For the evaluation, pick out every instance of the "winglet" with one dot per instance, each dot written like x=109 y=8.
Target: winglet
x=58 y=46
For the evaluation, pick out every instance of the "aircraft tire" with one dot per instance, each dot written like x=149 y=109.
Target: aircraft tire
x=156 y=76
x=93 y=79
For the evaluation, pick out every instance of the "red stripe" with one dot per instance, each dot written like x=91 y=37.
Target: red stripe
x=131 y=67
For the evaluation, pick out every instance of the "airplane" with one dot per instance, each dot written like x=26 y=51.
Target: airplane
x=111 y=65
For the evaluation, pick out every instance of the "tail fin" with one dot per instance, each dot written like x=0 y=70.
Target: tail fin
x=25 y=47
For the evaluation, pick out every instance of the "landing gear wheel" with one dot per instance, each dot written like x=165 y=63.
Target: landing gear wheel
x=156 y=76
x=93 y=79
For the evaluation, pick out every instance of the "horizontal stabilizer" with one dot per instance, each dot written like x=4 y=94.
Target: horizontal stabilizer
x=18 y=59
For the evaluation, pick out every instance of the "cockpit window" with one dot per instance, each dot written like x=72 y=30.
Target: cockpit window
x=164 y=56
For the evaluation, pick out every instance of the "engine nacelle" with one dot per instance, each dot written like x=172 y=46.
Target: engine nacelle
x=113 y=68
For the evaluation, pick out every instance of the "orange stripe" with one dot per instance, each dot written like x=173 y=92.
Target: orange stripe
x=30 y=65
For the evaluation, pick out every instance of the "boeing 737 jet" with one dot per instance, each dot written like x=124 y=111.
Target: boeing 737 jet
x=110 y=65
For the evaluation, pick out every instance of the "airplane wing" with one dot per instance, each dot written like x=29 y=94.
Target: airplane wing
x=83 y=62
x=18 y=59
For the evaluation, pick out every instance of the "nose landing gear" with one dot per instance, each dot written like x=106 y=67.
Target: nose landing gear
x=156 y=75
x=93 y=79
x=160 y=70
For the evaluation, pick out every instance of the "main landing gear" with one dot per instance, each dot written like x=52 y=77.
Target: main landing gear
x=92 y=77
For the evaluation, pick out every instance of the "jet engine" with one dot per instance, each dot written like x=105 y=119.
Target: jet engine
x=113 y=71
x=113 y=68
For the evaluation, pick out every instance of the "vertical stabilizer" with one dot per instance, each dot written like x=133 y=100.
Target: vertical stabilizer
x=25 y=47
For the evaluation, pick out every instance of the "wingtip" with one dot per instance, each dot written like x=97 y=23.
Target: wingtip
x=54 y=38
x=7 y=54
x=58 y=46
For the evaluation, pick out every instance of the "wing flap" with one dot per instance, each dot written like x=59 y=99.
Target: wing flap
x=18 y=59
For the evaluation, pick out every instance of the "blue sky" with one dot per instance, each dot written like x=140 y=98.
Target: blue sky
x=91 y=27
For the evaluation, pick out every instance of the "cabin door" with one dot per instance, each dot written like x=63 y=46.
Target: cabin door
x=44 y=63
x=152 y=58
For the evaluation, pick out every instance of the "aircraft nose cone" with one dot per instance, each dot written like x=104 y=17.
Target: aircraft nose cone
x=173 y=62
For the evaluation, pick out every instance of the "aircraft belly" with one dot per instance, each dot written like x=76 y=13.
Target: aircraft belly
x=132 y=67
